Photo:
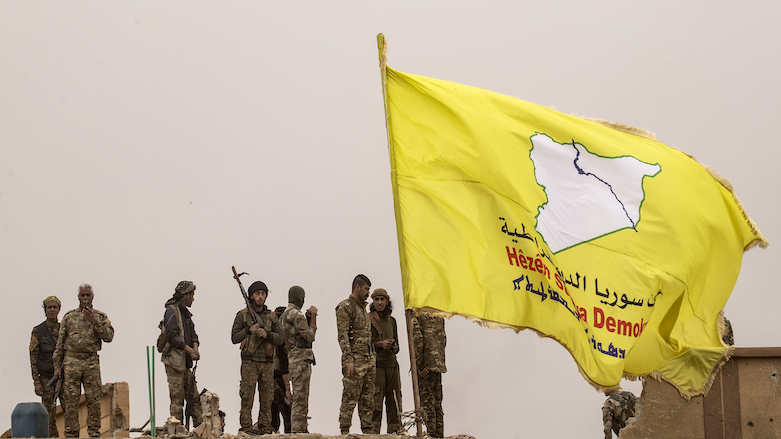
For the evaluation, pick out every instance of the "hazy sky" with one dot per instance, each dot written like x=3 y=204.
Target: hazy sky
x=142 y=143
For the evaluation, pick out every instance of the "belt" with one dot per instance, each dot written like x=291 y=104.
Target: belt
x=80 y=355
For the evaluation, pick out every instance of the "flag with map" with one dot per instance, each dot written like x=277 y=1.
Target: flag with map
x=622 y=249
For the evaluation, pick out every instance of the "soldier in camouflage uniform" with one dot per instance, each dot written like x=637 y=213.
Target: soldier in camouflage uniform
x=42 y=344
x=619 y=407
x=258 y=341
x=179 y=352
x=429 y=339
x=387 y=384
x=299 y=335
x=358 y=357
x=76 y=357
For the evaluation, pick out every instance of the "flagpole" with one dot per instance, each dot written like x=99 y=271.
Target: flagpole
x=414 y=366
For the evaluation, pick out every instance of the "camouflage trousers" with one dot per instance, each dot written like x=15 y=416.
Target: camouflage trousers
x=75 y=372
x=430 y=389
x=255 y=374
x=358 y=389
x=47 y=399
x=387 y=386
x=177 y=391
x=300 y=374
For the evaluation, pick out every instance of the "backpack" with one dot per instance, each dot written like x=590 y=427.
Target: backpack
x=162 y=341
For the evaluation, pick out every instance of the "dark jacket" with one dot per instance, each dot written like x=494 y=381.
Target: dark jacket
x=172 y=330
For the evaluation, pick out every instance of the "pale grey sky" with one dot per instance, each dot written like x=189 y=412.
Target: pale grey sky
x=142 y=143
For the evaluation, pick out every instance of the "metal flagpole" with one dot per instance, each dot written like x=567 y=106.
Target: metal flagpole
x=414 y=366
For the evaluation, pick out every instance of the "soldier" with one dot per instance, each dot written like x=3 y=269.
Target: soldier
x=619 y=407
x=258 y=341
x=299 y=334
x=429 y=339
x=180 y=351
x=387 y=384
x=358 y=357
x=42 y=343
x=282 y=396
x=76 y=358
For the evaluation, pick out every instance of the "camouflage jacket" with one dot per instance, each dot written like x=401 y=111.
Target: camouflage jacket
x=428 y=336
x=42 y=352
x=79 y=337
x=300 y=334
x=253 y=347
x=353 y=328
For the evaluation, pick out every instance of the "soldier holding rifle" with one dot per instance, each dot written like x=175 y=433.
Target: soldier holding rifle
x=257 y=329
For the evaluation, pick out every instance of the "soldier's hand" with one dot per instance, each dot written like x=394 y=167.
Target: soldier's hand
x=349 y=369
x=90 y=315
x=261 y=333
x=254 y=328
x=38 y=389
x=423 y=373
x=385 y=344
x=57 y=373
x=312 y=310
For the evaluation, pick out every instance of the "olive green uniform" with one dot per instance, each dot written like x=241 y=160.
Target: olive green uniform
x=355 y=340
x=387 y=383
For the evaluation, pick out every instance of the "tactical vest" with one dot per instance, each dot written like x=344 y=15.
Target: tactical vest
x=292 y=332
x=46 y=350
x=251 y=343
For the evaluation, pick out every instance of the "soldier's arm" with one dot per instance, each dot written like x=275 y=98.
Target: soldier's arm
x=34 y=349
x=172 y=329
x=59 y=351
x=342 y=329
x=105 y=329
x=275 y=335
x=238 y=331
x=303 y=328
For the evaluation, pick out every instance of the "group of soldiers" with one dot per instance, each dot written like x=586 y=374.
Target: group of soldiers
x=68 y=351
x=276 y=359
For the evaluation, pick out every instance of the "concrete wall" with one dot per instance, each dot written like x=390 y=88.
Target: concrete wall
x=743 y=403
x=114 y=412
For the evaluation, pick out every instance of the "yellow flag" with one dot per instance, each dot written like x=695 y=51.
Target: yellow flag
x=622 y=249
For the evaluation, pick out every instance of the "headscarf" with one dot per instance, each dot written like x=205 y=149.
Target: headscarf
x=181 y=291
x=51 y=299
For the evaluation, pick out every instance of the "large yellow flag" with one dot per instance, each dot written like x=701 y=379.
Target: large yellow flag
x=622 y=249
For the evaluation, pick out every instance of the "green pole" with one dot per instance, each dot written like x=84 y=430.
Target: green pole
x=151 y=397
x=154 y=399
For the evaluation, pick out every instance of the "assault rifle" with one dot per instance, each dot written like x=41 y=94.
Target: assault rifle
x=58 y=387
x=191 y=399
x=244 y=294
